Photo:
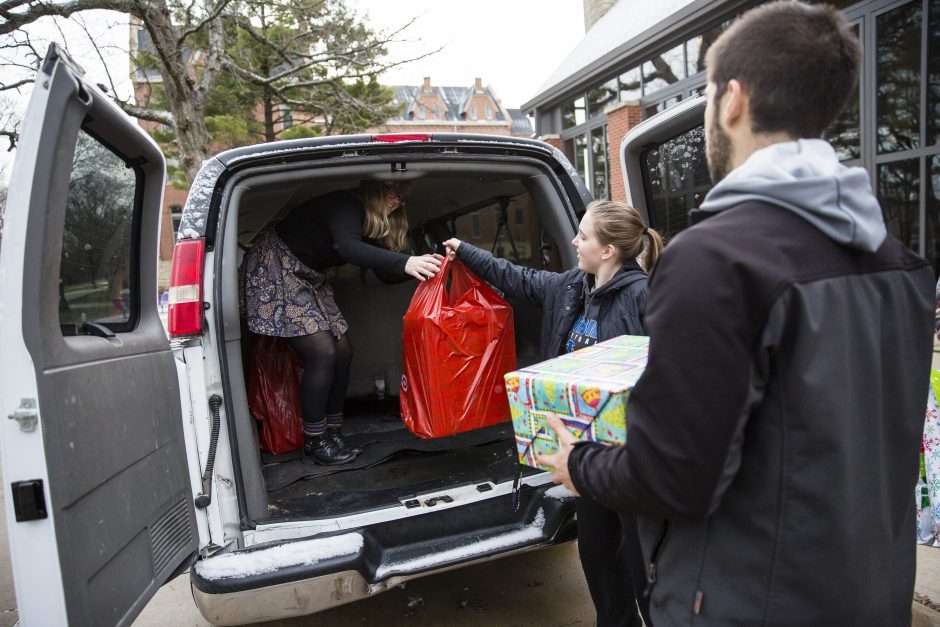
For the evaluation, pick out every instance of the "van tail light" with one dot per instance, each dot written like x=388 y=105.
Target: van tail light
x=185 y=303
x=402 y=137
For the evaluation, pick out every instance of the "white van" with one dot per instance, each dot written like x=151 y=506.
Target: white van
x=130 y=458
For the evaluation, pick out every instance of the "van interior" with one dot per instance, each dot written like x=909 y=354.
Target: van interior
x=518 y=210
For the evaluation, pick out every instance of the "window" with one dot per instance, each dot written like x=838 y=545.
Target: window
x=676 y=179
x=287 y=117
x=95 y=279
x=696 y=48
x=176 y=216
x=898 y=185
x=599 y=188
x=473 y=112
x=573 y=114
x=602 y=96
x=494 y=228
x=898 y=78
x=581 y=157
x=421 y=111
x=933 y=75
x=844 y=132
x=630 y=85
x=932 y=245
x=664 y=69
x=489 y=112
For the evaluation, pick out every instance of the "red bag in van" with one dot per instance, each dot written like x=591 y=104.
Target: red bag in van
x=458 y=342
x=274 y=395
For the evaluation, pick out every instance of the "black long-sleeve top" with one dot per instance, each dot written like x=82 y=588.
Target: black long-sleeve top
x=327 y=232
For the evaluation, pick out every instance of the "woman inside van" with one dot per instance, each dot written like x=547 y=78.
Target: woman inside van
x=286 y=293
x=603 y=297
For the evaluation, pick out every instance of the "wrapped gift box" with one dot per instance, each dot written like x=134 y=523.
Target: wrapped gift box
x=588 y=389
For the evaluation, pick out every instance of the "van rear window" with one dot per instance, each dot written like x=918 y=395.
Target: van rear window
x=95 y=277
x=675 y=175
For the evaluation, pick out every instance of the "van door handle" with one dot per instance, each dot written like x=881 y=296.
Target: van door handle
x=93 y=328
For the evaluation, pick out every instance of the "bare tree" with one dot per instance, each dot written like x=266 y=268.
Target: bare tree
x=191 y=48
x=9 y=122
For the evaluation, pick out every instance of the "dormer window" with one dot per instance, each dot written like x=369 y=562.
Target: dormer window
x=489 y=112
x=473 y=112
x=421 y=112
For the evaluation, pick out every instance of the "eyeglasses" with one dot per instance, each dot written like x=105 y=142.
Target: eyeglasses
x=394 y=192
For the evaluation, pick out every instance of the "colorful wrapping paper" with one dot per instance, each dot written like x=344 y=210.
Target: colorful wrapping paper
x=588 y=389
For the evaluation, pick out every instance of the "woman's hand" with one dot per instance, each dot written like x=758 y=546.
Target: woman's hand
x=452 y=245
x=423 y=267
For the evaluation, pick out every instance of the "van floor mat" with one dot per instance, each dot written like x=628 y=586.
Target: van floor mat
x=375 y=451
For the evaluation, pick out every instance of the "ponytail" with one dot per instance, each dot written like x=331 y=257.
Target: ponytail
x=619 y=225
x=653 y=250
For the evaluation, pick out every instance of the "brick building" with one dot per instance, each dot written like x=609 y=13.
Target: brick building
x=474 y=109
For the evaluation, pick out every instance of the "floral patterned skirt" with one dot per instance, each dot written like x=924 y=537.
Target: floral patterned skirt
x=283 y=297
x=927 y=493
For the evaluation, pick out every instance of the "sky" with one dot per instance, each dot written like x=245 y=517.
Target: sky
x=513 y=45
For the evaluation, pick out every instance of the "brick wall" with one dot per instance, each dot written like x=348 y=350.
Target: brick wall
x=620 y=119
x=554 y=140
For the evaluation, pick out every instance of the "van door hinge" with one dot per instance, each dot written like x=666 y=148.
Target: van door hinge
x=27 y=415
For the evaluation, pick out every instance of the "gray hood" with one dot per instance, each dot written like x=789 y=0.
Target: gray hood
x=805 y=177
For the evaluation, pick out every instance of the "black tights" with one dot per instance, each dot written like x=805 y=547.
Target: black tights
x=325 y=379
x=609 y=547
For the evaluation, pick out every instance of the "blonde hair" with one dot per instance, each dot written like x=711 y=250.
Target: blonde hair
x=391 y=229
x=619 y=225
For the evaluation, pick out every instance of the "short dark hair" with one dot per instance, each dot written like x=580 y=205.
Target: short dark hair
x=797 y=62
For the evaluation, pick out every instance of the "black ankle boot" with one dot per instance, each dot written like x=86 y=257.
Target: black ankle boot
x=323 y=450
x=337 y=434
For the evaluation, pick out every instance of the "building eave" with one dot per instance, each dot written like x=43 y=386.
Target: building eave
x=698 y=16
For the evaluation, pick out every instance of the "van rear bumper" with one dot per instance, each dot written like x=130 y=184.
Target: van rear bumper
x=388 y=554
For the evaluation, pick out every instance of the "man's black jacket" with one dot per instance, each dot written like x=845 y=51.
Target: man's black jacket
x=773 y=440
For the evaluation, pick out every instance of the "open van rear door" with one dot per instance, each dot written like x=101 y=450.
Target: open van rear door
x=665 y=170
x=99 y=506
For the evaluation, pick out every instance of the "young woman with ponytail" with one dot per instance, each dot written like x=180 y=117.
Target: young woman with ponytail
x=603 y=297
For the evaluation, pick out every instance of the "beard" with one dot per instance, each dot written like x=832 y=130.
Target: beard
x=717 y=150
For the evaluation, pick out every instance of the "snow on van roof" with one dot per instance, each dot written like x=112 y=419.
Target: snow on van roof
x=196 y=209
x=303 y=553
x=532 y=531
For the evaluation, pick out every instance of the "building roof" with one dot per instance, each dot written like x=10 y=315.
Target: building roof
x=521 y=125
x=617 y=31
x=455 y=100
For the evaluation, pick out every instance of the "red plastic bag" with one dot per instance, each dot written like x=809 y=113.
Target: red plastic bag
x=274 y=394
x=458 y=342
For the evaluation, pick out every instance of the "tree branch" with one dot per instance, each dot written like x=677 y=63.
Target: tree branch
x=16 y=85
x=199 y=26
x=142 y=113
x=12 y=136
x=10 y=22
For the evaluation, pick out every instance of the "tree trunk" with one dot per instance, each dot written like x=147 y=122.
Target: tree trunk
x=184 y=100
x=192 y=136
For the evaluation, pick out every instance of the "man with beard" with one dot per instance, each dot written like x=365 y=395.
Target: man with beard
x=773 y=439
